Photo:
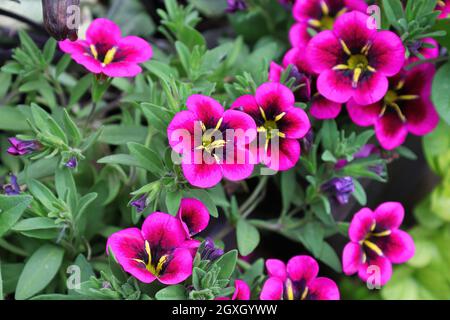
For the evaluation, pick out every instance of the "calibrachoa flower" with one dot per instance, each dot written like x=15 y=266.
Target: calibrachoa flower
x=340 y=189
x=376 y=241
x=407 y=107
x=13 y=188
x=297 y=281
x=444 y=7
x=275 y=115
x=241 y=291
x=160 y=250
x=201 y=135
x=105 y=51
x=317 y=16
x=354 y=61
x=22 y=147
x=236 y=5
x=321 y=108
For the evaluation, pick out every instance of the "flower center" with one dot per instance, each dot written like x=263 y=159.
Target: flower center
x=392 y=99
x=291 y=291
x=270 y=127
x=357 y=63
x=327 y=21
x=109 y=56
x=370 y=241
x=153 y=269
x=209 y=140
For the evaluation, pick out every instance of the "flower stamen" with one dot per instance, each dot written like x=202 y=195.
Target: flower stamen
x=94 y=51
x=345 y=48
x=372 y=246
x=109 y=57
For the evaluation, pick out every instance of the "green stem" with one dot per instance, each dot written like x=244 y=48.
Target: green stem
x=12 y=248
x=262 y=183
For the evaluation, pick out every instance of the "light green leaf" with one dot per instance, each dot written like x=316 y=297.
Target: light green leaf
x=247 y=237
x=11 y=209
x=441 y=92
x=147 y=158
x=177 y=292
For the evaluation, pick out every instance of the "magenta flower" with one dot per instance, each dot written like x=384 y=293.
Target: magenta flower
x=317 y=16
x=159 y=251
x=321 y=108
x=193 y=215
x=377 y=242
x=297 y=281
x=241 y=292
x=22 y=147
x=354 y=61
x=276 y=117
x=202 y=135
x=105 y=51
x=444 y=7
x=406 y=108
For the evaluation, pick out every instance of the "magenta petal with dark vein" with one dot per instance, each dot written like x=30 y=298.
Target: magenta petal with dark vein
x=299 y=35
x=364 y=115
x=283 y=157
x=361 y=224
x=242 y=291
x=206 y=109
x=353 y=30
x=322 y=108
x=323 y=51
x=274 y=96
x=334 y=86
x=352 y=258
x=194 y=216
x=389 y=215
x=103 y=31
x=202 y=175
x=390 y=131
x=302 y=268
x=398 y=247
x=163 y=231
x=378 y=269
x=387 y=53
x=295 y=124
x=371 y=90
x=179 y=268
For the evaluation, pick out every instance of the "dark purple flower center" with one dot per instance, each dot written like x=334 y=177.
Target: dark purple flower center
x=105 y=53
x=154 y=261
x=296 y=290
x=373 y=242
x=327 y=16
x=394 y=99
x=270 y=126
x=210 y=140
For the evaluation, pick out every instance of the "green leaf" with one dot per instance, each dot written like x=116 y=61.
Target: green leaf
x=39 y=271
x=11 y=119
x=329 y=134
x=312 y=236
x=11 y=209
x=62 y=65
x=123 y=159
x=329 y=257
x=177 y=292
x=394 y=11
x=147 y=158
x=173 y=200
x=80 y=89
x=247 y=237
x=49 y=50
x=72 y=129
x=42 y=194
x=227 y=264
x=359 y=193
x=161 y=70
x=406 y=153
x=441 y=92
x=5 y=80
x=123 y=134
x=39 y=228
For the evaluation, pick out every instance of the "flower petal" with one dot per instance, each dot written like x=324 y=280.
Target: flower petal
x=398 y=247
x=208 y=110
x=202 y=175
x=371 y=89
x=323 y=289
x=387 y=54
x=239 y=125
x=361 y=224
x=353 y=30
x=90 y=63
x=275 y=71
x=122 y=69
x=103 y=31
x=295 y=124
x=194 y=216
x=335 y=86
x=180 y=131
x=376 y=271
x=389 y=215
x=391 y=132
x=126 y=245
x=299 y=35
x=323 y=51
x=302 y=268
x=272 y=289
x=163 y=231
x=363 y=115
x=351 y=258
x=281 y=157
x=274 y=98
x=276 y=268
x=242 y=291
x=133 y=49
x=240 y=166
x=322 y=108
x=179 y=268
x=79 y=47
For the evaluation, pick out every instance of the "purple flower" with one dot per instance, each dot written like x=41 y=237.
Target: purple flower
x=22 y=147
x=236 y=5
x=210 y=251
x=140 y=204
x=13 y=188
x=376 y=241
x=72 y=163
x=339 y=188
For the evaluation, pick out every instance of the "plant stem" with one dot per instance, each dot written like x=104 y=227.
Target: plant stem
x=262 y=183
x=12 y=248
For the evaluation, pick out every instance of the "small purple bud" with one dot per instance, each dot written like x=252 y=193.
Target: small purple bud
x=72 y=163
x=236 y=5
x=13 y=188
x=140 y=204
x=339 y=188
x=22 y=147
x=287 y=4
x=106 y=285
x=307 y=141
x=210 y=251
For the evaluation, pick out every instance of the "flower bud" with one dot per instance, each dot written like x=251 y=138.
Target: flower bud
x=339 y=188
x=61 y=18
